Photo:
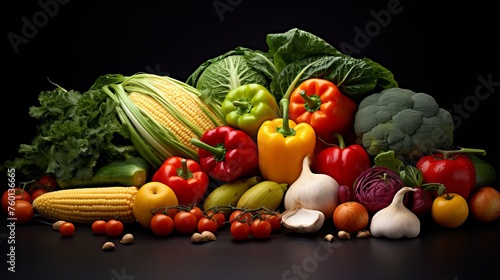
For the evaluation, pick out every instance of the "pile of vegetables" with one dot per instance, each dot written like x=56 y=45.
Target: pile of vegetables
x=321 y=129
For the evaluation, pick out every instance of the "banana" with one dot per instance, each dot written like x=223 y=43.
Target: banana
x=229 y=193
x=268 y=194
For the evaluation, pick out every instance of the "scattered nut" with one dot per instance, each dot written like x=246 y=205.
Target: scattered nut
x=56 y=225
x=363 y=234
x=127 y=239
x=196 y=237
x=344 y=235
x=208 y=236
x=329 y=237
x=108 y=246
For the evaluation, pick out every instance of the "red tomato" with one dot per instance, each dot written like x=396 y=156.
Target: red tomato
x=220 y=218
x=239 y=215
x=260 y=229
x=274 y=220
x=22 y=210
x=185 y=222
x=38 y=193
x=12 y=194
x=99 y=227
x=67 y=229
x=114 y=228
x=350 y=216
x=207 y=224
x=162 y=225
x=197 y=212
x=240 y=230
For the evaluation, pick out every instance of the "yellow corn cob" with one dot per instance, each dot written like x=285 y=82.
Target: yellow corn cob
x=87 y=205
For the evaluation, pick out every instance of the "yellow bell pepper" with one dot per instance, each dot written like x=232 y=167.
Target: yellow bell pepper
x=282 y=146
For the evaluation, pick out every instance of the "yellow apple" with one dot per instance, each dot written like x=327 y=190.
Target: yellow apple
x=150 y=197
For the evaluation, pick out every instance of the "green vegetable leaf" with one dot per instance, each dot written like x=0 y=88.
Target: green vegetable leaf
x=388 y=159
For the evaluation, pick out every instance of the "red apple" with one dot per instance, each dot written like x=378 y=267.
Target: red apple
x=484 y=204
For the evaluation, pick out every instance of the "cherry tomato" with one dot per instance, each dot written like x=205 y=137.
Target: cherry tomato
x=274 y=220
x=38 y=193
x=449 y=210
x=207 y=224
x=162 y=224
x=239 y=215
x=114 y=228
x=67 y=229
x=260 y=229
x=22 y=210
x=47 y=182
x=99 y=227
x=14 y=194
x=240 y=230
x=220 y=218
x=185 y=222
x=197 y=212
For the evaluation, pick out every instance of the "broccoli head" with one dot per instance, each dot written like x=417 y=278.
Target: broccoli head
x=409 y=123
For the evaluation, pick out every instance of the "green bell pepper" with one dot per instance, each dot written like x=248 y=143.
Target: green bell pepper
x=248 y=106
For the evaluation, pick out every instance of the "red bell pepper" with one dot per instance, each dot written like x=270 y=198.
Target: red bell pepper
x=321 y=104
x=226 y=154
x=185 y=177
x=451 y=168
x=344 y=164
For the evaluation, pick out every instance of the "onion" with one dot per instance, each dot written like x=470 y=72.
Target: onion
x=350 y=216
x=375 y=188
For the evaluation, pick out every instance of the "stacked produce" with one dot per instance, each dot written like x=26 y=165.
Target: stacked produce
x=298 y=136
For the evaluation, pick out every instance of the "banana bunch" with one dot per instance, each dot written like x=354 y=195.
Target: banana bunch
x=249 y=193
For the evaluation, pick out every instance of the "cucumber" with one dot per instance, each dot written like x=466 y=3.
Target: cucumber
x=132 y=171
x=486 y=174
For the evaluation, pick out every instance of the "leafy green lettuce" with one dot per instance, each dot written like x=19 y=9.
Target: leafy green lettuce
x=288 y=54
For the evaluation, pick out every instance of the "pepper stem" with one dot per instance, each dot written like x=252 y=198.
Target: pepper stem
x=448 y=153
x=340 y=139
x=218 y=151
x=242 y=106
x=312 y=103
x=184 y=171
x=285 y=130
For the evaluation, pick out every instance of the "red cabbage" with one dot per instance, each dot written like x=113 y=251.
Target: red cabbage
x=375 y=188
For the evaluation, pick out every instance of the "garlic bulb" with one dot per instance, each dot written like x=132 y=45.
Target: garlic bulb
x=312 y=191
x=303 y=220
x=395 y=221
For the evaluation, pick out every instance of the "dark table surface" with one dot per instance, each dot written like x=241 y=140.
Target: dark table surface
x=471 y=251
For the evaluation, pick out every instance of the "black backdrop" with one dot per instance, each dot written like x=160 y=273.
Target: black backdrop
x=450 y=51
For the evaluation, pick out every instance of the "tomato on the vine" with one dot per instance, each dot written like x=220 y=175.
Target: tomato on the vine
x=114 y=228
x=38 y=193
x=162 y=224
x=67 y=229
x=22 y=210
x=99 y=227
x=274 y=220
x=449 y=210
x=207 y=224
x=240 y=230
x=260 y=229
x=185 y=222
x=197 y=212
x=14 y=194
x=220 y=218
x=240 y=215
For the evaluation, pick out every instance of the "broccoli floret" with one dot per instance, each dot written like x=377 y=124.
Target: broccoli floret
x=409 y=123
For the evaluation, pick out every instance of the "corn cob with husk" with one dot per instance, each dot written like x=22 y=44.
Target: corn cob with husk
x=162 y=114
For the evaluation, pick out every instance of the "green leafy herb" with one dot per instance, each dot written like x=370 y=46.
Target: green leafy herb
x=76 y=133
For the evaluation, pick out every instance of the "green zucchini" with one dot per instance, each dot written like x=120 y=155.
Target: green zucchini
x=132 y=171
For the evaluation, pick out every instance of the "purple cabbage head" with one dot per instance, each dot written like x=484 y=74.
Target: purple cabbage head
x=375 y=188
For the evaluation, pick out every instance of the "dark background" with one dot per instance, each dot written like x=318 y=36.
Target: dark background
x=440 y=49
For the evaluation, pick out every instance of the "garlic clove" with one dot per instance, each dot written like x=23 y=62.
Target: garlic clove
x=303 y=220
